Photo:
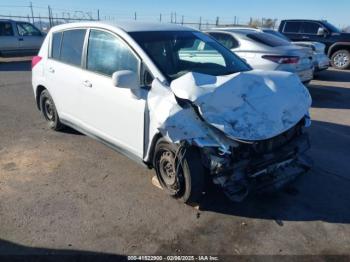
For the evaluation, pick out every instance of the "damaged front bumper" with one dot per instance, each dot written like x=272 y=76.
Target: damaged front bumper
x=268 y=172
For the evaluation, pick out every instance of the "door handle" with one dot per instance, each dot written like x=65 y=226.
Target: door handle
x=51 y=70
x=87 y=83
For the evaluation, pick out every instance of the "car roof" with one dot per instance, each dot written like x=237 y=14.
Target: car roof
x=302 y=20
x=234 y=28
x=129 y=26
x=15 y=21
x=239 y=31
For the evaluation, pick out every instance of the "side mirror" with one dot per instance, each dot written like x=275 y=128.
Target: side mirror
x=322 y=32
x=126 y=79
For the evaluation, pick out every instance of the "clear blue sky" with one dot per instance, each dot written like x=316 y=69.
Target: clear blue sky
x=336 y=11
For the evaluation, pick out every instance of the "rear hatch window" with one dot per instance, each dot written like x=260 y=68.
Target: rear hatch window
x=268 y=39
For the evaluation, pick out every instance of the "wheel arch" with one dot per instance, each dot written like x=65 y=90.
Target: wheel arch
x=338 y=46
x=38 y=91
x=150 y=152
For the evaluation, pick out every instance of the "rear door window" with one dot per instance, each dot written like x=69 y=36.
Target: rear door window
x=292 y=27
x=72 y=46
x=6 y=29
x=107 y=54
x=56 y=45
x=226 y=40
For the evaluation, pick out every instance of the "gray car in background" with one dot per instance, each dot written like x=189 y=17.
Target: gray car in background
x=321 y=60
x=267 y=52
x=19 y=38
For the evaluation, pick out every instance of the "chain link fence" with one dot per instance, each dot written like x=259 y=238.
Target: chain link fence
x=46 y=17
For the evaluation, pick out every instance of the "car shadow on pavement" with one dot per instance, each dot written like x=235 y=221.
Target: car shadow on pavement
x=321 y=194
x=71 y=131
x=329 y=96
x=15 y=66
x=333 y=75
x=10 y=251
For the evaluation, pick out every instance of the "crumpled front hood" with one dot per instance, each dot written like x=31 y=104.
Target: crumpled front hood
x=253 y=105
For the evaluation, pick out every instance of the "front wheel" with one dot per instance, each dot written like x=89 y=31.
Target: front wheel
x=341 y=59
x=48 y=109
x=180 y=171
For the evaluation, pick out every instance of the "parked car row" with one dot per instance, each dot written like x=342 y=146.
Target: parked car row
x=322 y=37
x=321 y=60
x=266 y=51
x=176 y=100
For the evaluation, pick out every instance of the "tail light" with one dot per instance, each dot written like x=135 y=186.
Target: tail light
x=282 y=59
x=36 y=60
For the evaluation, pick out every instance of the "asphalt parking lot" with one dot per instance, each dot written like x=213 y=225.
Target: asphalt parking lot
x=63 y=191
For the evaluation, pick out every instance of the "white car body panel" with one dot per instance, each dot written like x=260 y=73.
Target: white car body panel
x=113 y=113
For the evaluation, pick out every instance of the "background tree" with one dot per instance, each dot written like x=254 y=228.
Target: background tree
x=346 y=29
x=263 y=22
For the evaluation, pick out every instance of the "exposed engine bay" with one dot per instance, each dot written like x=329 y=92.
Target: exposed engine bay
x=262 y=166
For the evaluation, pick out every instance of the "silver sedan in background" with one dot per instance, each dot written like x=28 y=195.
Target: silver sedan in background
x=267 y=52
x=321 y=60
x=19 y=38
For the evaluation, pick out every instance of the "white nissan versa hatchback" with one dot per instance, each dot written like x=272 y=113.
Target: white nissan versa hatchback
x=147 y=91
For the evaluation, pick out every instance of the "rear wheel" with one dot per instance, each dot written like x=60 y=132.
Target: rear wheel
x=180 y=171
x=341 y=59
x=48 y=109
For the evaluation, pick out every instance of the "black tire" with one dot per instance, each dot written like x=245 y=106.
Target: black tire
x=306 y=83
x=48 y=110
x=188 y=183
x=341 y=59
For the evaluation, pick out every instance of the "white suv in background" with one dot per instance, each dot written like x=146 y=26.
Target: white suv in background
x=146 y=91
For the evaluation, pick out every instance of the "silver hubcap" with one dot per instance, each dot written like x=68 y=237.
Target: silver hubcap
x=341 y=59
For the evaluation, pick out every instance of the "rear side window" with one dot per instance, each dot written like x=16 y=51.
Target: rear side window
x=72 y=46
x=268 y=39
x=56 y=45
x=310 y=28
x=6 y=29
x=292 y=27
x=107 y=54
x=225 y=39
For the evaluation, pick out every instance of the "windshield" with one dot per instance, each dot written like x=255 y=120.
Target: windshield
x=268 y=39
x=331 y=27
x=179 y=52
x=26 y=29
